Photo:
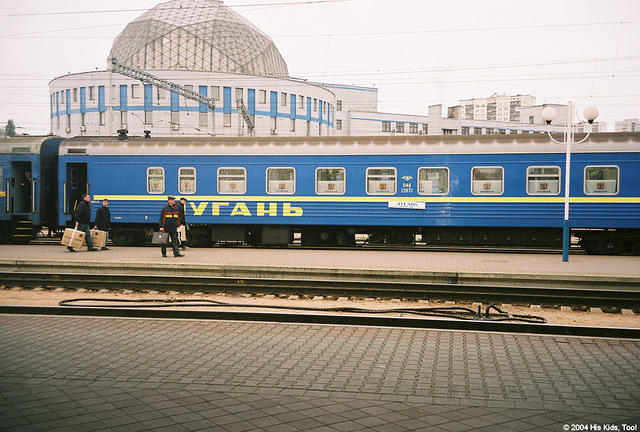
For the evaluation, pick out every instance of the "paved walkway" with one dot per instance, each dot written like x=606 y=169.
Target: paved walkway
x=512 y=263
x=66 y=373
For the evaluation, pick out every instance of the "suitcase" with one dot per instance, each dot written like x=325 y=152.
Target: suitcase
x=99 y=239
x=160 y=238
x=73 y=238
x=182 y=234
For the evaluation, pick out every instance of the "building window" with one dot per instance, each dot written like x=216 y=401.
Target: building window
x=82 y=119
x=69 y=121
x=489 y=131
x=543 y=180
x=386 y=126
x=148 y=117
x=433 y=181
x=300 y=102
x=339 y=105
x=339 y=124
x=293 y=125
x=281 y=180
x=283 y=97
x=232 y=180
x=160 y=93
x=330 y=181
x=477 y=130
x=134 y=91
x=449 y=131
x=413 y=128
x=123 y=119
x=203 y=119
x=62 y=97
x=381 y=181
x=239 y=97
x=155 y=180
x=308 y=128
x=215 y=93
x=75 y=95
x=487 y=180
x=513 y=131
x=502 y=131
x=226 y=120
x=187 y=180
x=274 y=125
x=530 y=119
x=399 y=127
x=92 y=93
x=263 y=96
x=601 y=180
x=425 y=129
x=465 y=130
x=175 y=118
x=315 y=104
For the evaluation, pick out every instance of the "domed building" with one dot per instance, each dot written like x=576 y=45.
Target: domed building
x=207 y=48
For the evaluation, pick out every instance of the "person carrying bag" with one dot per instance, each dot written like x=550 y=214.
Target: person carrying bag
x=169 y=223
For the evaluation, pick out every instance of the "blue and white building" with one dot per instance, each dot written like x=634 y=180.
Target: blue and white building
x=207 y=47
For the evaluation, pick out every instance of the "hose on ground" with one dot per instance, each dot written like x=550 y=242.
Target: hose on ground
x=492 y=312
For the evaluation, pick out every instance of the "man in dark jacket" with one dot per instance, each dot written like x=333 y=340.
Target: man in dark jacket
x=83 y=217
x=169 y=222
x=182 y=208
x=103 y=221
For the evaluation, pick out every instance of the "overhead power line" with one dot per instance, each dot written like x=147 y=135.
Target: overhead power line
x=85 y=12
x=462 y=29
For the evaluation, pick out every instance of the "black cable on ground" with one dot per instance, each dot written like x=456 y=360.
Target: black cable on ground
x=455 y=312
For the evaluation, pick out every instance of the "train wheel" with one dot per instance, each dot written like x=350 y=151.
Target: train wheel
x=611 y=246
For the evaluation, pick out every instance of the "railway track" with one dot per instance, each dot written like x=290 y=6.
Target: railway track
x=447 y=289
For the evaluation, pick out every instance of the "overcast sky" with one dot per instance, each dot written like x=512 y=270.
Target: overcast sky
x=417 y=52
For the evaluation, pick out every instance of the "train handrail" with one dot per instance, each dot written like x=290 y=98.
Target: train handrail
x=33 y=195
x=64 y=198
x=8 y=196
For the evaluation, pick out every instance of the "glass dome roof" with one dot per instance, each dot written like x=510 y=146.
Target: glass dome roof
x=197 y=35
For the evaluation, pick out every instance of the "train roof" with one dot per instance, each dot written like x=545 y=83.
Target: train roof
x=24 y=144
x=352 y=145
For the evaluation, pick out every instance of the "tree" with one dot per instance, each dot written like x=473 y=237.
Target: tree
x=10 y=129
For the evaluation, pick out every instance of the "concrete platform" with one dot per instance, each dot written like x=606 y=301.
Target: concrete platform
x=473 y=268
x=80 y=374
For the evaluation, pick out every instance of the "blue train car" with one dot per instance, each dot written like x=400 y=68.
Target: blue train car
x=28 y=200
x=467 y=190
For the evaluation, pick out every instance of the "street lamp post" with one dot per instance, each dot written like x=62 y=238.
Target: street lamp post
x=548 y=114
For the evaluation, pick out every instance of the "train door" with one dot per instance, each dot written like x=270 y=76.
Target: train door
x=75 y=186
x=4 y=191
x=21 y=189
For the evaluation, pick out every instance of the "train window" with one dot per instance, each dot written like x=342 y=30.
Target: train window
x=601 y=180
x=330 y=181
x=1 y=182
x=155 y=180
x=487 y=180
x=543 y=180
x=187 y=180
x=381 y=181
x=232 y=180
x=433 y=181
x=281 y=180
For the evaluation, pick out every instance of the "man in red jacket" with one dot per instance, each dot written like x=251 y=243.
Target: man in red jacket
x=169 y=222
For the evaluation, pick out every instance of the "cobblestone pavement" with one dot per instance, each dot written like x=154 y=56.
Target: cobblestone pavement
x=89 y=374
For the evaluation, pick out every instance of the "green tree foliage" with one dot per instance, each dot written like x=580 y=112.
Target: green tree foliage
x=10 y=129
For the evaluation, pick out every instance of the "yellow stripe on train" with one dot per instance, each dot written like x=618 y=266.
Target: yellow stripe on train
x=367 y=199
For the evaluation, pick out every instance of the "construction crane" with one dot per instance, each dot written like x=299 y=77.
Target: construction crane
x=148 y=78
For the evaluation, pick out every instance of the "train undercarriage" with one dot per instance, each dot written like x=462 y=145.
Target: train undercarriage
x=593 y=241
